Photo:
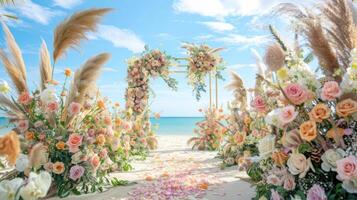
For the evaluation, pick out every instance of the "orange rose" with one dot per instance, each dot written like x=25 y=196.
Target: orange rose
x=67 y=72
x=58 y=168
x=60 y=145
x=29 y=135
x=308 y=130
x=101 y=104
x=279 y=158
x=320 y=112
x=346 y=107
x=10 y=147
x=100 y=140
x=118 y=122
x=239 y=138
x=335 y=133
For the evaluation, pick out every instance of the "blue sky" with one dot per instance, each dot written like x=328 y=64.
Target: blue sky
x=237 y=25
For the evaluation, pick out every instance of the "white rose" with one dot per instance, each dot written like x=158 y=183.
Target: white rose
x=272 y=117
x=350 y=185
x=22 y=163
x=8 y=188
x=266 y=146
x=37 y=186
x=298 y=164
x=330 y=157
x=48 y=95
x=4 y=87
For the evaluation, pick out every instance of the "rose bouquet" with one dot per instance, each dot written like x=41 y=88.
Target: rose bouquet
x=202 y=61
x=210 y=131
x=65 y=134
x=311 y=151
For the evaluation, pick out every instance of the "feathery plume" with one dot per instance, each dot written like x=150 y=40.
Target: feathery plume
x=10 y=147
x=236 y=82
x=45 y=65
x=70 y=32
x=274 y=57
x=12 y=110
x=38 y=156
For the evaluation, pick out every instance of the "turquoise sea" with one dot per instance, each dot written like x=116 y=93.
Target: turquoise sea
x=163 y=125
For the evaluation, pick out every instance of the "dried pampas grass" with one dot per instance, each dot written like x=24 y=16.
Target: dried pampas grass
x=10 y=147
x=274 y=57
x=45 y=65
x=14 y=73
x=85 y=77
x=12 y=110
x=38 y=156
x=70 y=32
x=236 y=83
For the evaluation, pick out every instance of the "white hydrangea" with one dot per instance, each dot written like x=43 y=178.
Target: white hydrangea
x=303 y=75
x=272 y=117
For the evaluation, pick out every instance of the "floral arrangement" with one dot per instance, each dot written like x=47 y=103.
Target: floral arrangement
x=210 y=131
x=202 y=61
x=152 y=63
x=65 y=138
x=310 y=150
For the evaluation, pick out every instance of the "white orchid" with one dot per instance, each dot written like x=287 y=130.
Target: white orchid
x=22 y=163
x=37 y=186
x=8 y=188
x=4 y=87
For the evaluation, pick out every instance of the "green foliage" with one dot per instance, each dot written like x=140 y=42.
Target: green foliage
x=255 y=172
x=304 y=148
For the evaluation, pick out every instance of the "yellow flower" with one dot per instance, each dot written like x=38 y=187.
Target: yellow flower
x=67 y=72
x=354 y=65
x=282 y=73
x=4 y=87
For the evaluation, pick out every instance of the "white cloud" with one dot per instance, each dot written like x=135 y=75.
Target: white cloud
x=35 y=12
x=246 y=41
x=110 y=69
x=67 y=3
x=122 y=38
x=239 y=66
x=219 y=26
x=224 y=8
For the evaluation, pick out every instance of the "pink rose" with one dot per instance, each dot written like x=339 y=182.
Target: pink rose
x=94 y=161
x=91 y=132
x=76 y=172
x=330 y=91
x=287 y=114
x=346 y=168
x=316 y=192
x=289 y=183
x=74 y=108
x=103 y=153
x=23 y=125
x=295 y=93
x=259 y=104
x=24 y=98
x=275 y=195
x=52 y=107
x=73 y=142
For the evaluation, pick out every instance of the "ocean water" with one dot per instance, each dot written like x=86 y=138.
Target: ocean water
x=163 y=125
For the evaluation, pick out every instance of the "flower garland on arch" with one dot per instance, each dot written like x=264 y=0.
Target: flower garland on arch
x=202 y=61
x=151 y=64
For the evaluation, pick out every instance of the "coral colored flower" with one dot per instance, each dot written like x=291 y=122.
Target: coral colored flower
x=320 y=112
x=279 y=158
x=308 y=131
x=60 y=145
x=330 y=91
x=23 y=125
x=58 y=167
x=29 y=135
x=74 y=108
x=101 y=104
x=10 y=147
x=287 y=114
x=94 y=161
x=289 y=183
x=346 y=107
x=295 y=93
x=24 y=98
x=73 y=142
x=67 y=72
x=52 y=106
x=76 y=172
x=316 y=192
x=239 y=138
x=100 y=139
x=347 y=168
x=259 y=104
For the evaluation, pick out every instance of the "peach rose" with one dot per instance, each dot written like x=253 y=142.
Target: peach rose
x=94 y=161
x=74 y=108
x=29 y=135
x=52 y=106
x=346 y=107
x=24 y=98
x=259 y=104
x=279 y=158
x=308 y=131
x=58 y=167
x=239 y=138
x=295 y=93
x=60 y=145
x=73 y=142
x=287 y=114
x=330 y=91
x=320 y=112
x=100 y=140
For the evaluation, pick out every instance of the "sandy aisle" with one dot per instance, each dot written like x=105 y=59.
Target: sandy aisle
x=175 y=161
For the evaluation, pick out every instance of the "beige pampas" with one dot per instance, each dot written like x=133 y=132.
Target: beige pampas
x=14 y=63
x=85 y=77
x=13 y=111
x=45 y=65
x=236 y=83
x=274 y=57
x=38 y=156
x=70 y=32
x=240 y=93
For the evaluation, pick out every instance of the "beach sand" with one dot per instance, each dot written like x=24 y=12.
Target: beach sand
x=174 y=158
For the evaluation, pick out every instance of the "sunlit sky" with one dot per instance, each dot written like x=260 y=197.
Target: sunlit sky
x=237 y=25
